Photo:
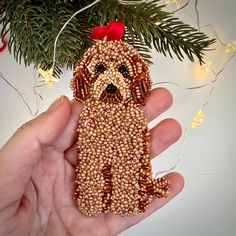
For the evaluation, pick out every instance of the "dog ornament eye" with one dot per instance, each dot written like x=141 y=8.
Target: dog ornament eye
x=100 y=68
x=123 y=69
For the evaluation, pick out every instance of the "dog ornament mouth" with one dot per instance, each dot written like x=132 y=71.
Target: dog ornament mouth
x=111 y=94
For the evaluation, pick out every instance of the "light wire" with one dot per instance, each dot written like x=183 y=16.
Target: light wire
x=23 y=96
x=180 y=156
x=63 y=27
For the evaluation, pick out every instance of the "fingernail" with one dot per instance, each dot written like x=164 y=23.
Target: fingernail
x=56 y=104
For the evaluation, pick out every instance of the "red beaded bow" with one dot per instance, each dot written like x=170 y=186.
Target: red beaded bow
x=3 y=45
x=114 y=31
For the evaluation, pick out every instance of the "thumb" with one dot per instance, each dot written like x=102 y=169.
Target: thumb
x=23 y=150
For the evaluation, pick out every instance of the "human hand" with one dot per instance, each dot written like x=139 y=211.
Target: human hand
x=37 y=174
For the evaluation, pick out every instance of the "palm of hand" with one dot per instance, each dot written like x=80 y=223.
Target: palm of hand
x=45 y=205
x=51 y=204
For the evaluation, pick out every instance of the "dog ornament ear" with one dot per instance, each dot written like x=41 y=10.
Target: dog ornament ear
x=80 y=84
x=141 y=83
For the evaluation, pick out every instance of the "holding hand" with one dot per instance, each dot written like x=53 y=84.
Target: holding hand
x=37 y=174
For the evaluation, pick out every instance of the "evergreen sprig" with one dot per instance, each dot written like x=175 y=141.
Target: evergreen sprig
x=33 y=25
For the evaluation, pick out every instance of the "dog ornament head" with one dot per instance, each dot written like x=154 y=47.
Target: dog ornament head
x=111 y=72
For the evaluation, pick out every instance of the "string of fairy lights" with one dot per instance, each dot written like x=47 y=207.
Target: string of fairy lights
x=48 y=79
x=203 y=71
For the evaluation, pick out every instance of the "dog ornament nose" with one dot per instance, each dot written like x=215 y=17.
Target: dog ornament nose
x=111 y=88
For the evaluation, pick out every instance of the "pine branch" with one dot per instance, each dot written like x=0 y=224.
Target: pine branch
x=33 y=26
x=152 y=25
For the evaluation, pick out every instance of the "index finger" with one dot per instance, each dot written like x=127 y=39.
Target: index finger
x=159 y=100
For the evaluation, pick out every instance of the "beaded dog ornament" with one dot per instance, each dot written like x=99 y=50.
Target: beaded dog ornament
x=113 y=172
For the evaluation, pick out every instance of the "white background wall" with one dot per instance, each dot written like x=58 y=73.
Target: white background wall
x=206 y=206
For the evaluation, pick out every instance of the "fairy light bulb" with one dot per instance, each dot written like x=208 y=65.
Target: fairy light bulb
x=49 y=78
x=230 y=47
x=198 y=119
x=203 y=70
x=177 y=2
